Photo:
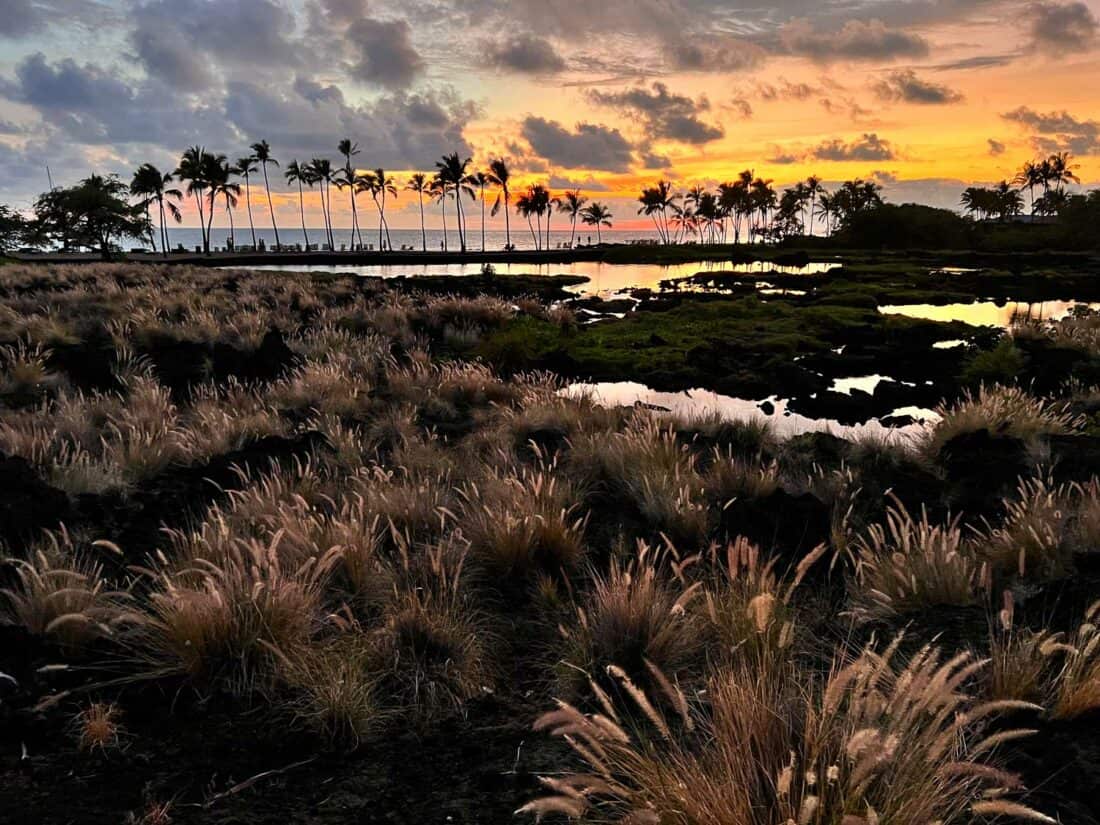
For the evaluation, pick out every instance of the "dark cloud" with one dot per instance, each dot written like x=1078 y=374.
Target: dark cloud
x=385 y=55
x=184 y=43
x=591 y=146
x=856 y=40
x=92 y=105
x=984 y=61
x=1058 y=28
x=398 y=131
x=785 y=90
x=589 y=184
x=1058 y=131
x=651 y=160
x=667 y=115
x=846 y=106
x=711 y=53
x=883 y=177
x=741 y=106
x=868 y=147
x=782 y=158
x=905 y=87
x=18 y=18
x=524 y=53
x=996 y=147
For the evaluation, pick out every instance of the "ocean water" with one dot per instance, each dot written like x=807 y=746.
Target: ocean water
x=494 y=239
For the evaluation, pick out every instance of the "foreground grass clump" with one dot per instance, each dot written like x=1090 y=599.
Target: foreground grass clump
x=879 y=741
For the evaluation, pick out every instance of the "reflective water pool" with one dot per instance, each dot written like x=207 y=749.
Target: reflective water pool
x=603 y=277
x=785 y=424
x=988 y=313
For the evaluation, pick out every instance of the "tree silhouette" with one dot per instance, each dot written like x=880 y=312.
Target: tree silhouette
x=420 y=184
x=262 y=153
x=500 y=176
x=193 y=169
x=571 y=204
x=320 y=172
x=228 y=190
x=347 y=177
x=597 y=215
x=151 y=186
x=299 y=175
x=246 y=167
x=452 y=172
x=481 y=180
x=380 y=185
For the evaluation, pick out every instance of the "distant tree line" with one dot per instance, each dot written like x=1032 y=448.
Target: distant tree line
x=100 y=211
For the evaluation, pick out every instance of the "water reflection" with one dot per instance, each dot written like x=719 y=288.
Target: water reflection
x=989 y=313
x=785 y=424
x=603 y=277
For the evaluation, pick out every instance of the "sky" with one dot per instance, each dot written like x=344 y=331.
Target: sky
x=924 y=96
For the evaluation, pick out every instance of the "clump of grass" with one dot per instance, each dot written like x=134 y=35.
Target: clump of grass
x=637 y=613
x=98 y=728
x=1019 y=660
x=61 y=594
x=907 y=565
x=523 y=525
x=434 y=647
x=1077 y=683
x=1008 y=412
x=729 y=478
x=226 y=623
x=750 y=604
x=1031 y=538
x=747 y=438
x=334 y=688
x=881 y=742
x=25 y=375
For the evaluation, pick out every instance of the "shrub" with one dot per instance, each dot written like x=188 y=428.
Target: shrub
x=1077 y=682
x=907 y=565
x=97 y=727
x=62 y=595
x=880 y=743
x=637 y=613
x=1031 y=539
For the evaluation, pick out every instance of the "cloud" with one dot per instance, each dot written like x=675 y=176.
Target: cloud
x=385 y=55
x=905 y=87
x=652 y=160
x=526 y=54
x=983 y=61
x=741 y=107
x=20 y=18
x=1058 y=28
x=781 y=157
x=711 y=53
x=856 y=41
x=591 y=146
x=667 y=116
x=785 y=90
x=996 y=147
x=847 y=106
x=884 y=177
x=868 y=147
x=589 y=184
x=184 y=43
x=1058 y=131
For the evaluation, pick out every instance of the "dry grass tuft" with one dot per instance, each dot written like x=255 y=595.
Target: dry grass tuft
x=97 y=728
x=1031 y=539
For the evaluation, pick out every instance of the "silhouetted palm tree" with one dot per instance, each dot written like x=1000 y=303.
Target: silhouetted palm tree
x=814 y=190
x=379 y=184
x=320 y=172
x=500 y=176
x=224 y=187
x=150 y=185
x=246 y=167
x=763 y=200
x=217 y=174
x=656 y=202
x=299 y=175
x=597 y=215
x=571 y=204
x=481 y=180
x=1030 y=175
x=439 y=191
x=262 y=153
x=452 y=172
x=420 y=184
x=193 y=169
x=349 y=178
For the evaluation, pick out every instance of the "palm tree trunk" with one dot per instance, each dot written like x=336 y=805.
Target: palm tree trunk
x=248 y=200
x=532 y=228
x=232 y=228
x=443 y=205
x=202 y=223
x=271 y=208
x=210 y=224
x=423 y=230
x=573 y=231
x=354 y=215
x=507 y=219
x=302 y=209
x=163 y=228
x=483 y=217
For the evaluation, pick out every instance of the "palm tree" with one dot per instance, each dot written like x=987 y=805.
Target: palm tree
x=228 y=190
x=193 y=168
x=656 y=202
x=813 y=189
x=379 y=185
x=439 y=193
x=481 y=180
x=320 y=171
x=597 y=215
x=217 y=177
x=350 y=179
x=1030 y=175
x=300 y=175
x=763 y=200
x=1060 y=169
x=452 y=172
x=150 y=184
x=420 y=184
x=527 y=204
x=499 y=175
x=262 y=153
x=245 y=167
x=571 y=204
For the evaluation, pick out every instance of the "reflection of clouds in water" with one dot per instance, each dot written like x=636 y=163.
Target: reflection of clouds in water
x=988 y=313
x=603 y=278
x=695 y=403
